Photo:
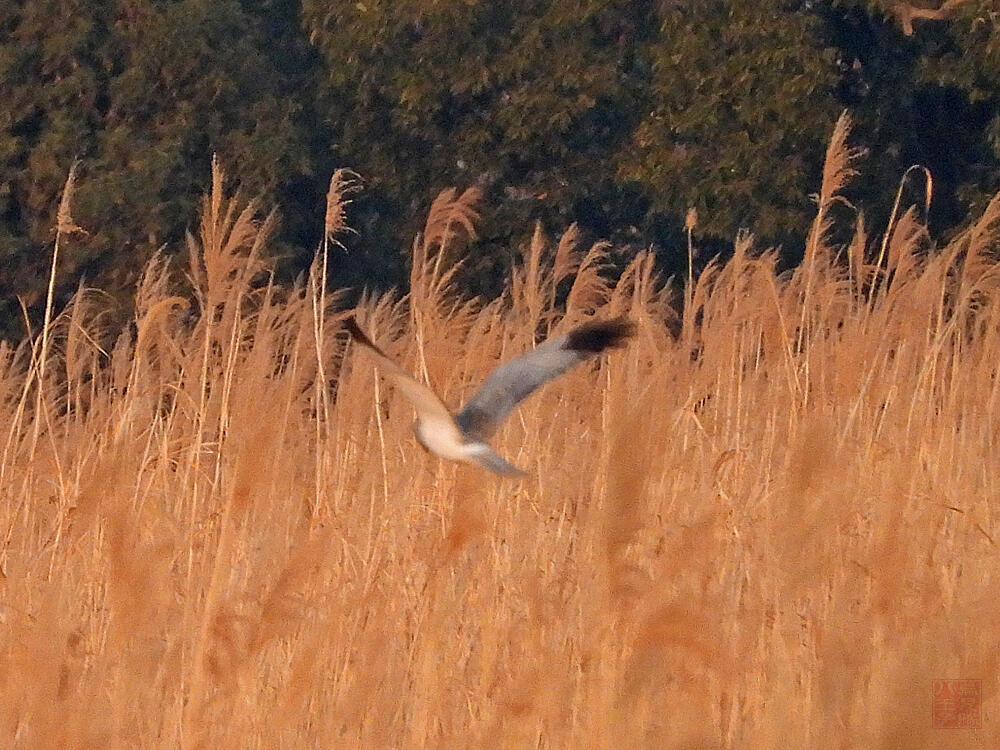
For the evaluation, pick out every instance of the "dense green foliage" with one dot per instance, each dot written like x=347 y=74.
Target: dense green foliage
x=929 y=97
x=619 y=115
x=735 y=84
x=142 y=93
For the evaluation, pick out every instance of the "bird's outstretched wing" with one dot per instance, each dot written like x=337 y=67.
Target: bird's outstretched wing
x=513 y=381
x=429 y=407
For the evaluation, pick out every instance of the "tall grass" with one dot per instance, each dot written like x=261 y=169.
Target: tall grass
x=776 y=530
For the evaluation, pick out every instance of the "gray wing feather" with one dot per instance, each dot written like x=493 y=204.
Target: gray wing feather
x=512 y=382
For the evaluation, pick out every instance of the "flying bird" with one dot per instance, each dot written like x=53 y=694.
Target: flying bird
x=463 y=436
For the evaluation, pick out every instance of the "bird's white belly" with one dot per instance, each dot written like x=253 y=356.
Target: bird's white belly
x=442 y=438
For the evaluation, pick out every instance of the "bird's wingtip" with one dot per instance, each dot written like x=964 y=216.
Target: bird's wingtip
x=351 y=324
x=598 y=336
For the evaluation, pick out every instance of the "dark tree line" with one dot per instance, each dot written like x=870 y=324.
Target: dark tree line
x=620 y=115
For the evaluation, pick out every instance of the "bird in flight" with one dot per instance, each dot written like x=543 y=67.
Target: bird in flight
x=463 y=436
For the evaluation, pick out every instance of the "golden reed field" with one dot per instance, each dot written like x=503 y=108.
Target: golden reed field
x=770 y=522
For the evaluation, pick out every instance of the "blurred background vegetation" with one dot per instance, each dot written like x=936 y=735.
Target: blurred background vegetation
x=620 y=115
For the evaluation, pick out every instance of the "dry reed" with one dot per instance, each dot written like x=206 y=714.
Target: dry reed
x=776 y=531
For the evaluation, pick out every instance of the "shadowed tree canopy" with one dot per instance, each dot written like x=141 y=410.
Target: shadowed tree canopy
x=618 y=115
x=528 y=100
x=919 y=77
x=742 y=104
x=142 y=93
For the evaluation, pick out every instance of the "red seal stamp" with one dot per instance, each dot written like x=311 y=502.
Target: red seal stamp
x=956 y=704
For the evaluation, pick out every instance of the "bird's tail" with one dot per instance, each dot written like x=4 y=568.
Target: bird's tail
x=488 y=458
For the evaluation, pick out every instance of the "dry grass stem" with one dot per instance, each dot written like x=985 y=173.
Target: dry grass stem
x=778 y=530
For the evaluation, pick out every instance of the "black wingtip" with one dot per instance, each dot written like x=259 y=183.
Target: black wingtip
x=351 y=324
x=596 y=337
